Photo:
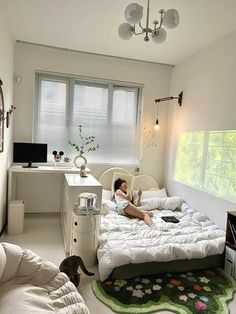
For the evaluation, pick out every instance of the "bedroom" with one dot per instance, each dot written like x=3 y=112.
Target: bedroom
x=207 y=79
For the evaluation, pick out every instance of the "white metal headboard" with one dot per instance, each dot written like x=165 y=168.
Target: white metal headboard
x=106 y=177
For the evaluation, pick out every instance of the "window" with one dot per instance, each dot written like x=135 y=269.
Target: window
x=108 y=110
x=206 y=160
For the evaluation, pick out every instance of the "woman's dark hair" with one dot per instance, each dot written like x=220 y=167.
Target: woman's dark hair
x=118 y=183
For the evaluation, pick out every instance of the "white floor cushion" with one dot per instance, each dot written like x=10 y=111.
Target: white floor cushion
x=29 y=285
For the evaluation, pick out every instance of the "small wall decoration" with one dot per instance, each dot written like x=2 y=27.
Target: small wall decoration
x=1 y=118
x=8 y=116
x=4 y=115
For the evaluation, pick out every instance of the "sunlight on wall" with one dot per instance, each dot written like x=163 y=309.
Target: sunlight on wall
x=206 y=160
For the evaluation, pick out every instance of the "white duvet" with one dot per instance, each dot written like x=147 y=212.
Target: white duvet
x=124 y=241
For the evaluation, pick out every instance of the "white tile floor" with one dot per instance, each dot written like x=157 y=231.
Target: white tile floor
x=43 y=235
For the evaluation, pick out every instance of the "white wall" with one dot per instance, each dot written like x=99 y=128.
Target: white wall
x=155 y=77
x=208 y=80
x=6 y=75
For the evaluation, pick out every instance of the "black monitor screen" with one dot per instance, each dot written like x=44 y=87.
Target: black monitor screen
x=29 y=152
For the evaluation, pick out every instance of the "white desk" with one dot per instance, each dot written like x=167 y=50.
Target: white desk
x=45 y=181
x=73 y=186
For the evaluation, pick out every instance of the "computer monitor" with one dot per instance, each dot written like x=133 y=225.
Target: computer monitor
x=29 y=153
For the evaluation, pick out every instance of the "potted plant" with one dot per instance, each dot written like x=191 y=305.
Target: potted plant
x=84 y=144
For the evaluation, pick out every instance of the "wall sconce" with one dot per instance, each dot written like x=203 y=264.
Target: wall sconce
x=180 y=100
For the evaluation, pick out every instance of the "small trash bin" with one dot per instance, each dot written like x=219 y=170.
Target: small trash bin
x=16 y=211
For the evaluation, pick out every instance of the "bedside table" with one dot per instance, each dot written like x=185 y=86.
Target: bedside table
x=230 y=249
x=73 y=186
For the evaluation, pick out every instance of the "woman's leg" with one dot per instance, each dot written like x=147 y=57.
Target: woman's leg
x=133 y=211
x=148 y=220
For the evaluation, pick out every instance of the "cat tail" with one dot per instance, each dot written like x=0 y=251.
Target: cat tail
x=84 y=268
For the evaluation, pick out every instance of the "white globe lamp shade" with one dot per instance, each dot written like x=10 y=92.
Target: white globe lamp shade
x=133 y=13
x=159 y=35
x=125 y=31
x=171 y=18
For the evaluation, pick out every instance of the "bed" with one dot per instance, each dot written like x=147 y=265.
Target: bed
x=128 y=247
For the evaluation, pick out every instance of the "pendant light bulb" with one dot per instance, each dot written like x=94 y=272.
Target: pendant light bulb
x=156 y=126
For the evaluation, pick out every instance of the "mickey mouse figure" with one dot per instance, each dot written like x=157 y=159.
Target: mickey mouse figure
x=57 y=156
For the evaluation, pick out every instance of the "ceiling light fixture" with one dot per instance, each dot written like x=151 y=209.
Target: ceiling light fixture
x=133 y=15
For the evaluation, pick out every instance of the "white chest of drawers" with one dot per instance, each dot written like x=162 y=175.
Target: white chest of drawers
x=73 y=186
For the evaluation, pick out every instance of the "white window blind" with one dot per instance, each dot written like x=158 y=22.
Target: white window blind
x=51 y=114
x=107 y=110
x=206 y=160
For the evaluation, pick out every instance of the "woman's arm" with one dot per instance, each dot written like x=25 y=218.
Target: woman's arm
x=123 y=195
x=138 y=203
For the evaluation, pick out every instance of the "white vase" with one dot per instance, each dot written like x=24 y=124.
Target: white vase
x=80 y=161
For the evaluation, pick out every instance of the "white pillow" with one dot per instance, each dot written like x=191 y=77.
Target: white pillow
x=161 y=193
x=106 y=195
x=171 y=203
x=107 y=206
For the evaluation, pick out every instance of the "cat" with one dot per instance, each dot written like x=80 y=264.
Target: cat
x=70 y=266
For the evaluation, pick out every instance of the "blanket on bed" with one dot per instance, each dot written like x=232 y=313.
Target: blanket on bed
x=124 y=240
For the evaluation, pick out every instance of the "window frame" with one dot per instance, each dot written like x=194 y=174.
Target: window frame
x=70 y=81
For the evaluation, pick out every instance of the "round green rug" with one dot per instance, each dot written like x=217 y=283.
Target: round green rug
x=203 y=291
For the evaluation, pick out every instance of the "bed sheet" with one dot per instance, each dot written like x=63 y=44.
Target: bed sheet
x=123 y=241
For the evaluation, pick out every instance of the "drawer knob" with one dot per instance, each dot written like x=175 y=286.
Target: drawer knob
x=75 y=240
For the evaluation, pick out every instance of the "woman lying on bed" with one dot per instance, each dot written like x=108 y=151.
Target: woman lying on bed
x=125 y=207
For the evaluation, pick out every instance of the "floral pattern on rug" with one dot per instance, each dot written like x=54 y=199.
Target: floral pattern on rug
x=197 y=291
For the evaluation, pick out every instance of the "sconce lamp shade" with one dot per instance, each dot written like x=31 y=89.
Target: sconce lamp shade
x=171 y=18
x=133 y=13
x=159 y=35
x=125 y=31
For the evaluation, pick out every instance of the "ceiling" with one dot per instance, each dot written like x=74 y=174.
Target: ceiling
x=91 y=26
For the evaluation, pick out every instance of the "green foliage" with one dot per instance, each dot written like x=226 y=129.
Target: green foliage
x=206 y=160
x=85 y=143
x=189 y=158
